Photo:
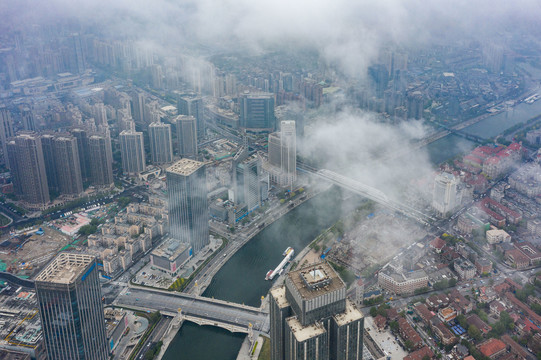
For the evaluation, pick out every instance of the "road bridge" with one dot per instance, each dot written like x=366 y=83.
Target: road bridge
x=198 y=309
x=458 y=130
x=366 y=191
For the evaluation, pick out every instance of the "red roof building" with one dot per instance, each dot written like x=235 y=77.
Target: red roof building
x=516 y=258
x=437 y=244
x=514 y=347
x=420 y=354
x=493 y=348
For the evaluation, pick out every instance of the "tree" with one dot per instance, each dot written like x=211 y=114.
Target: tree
x=382 y=311
x=452 y=282
x=461 y=319
x=88 y=229
x=123 y=201
x=394 y=326
x=474 y=332
x=409 y=345
x=373 y=311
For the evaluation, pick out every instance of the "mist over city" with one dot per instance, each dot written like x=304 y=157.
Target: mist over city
x=270 y=180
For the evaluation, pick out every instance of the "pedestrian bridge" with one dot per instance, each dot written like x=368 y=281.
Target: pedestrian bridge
x=197 y=309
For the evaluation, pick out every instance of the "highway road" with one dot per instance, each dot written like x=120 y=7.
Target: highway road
x=195 y=306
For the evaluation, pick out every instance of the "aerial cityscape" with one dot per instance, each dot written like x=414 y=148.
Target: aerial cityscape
x=221 y=180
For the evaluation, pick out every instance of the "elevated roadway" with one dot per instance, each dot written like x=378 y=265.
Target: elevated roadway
x=367 y=192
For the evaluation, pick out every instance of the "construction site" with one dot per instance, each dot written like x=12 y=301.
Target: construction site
x=23 y=252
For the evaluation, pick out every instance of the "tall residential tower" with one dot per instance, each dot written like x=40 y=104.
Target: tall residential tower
x=187 y=136
x=192 y=105
x=100 y=156
x=28 y=168
x=161 y=145
x=132 y=150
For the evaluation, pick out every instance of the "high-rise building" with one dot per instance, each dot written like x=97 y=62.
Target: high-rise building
x=28 y=168
x=77 y=61
x=257 y=112
x=6 y=131
x=311 y=318
x=161 y=144
x=192 y=104
x=68 y=167
x=187 y=136
x=72 y=318
x=249 y=179
x=100 y=157
x=100 y=114
x=47 y=147
x=138 y=105
x=444 y=197
x=62 y=164
x=188 y=208
x=132 y=150
x=28 y=119
x=82 y=148
x=282 y=156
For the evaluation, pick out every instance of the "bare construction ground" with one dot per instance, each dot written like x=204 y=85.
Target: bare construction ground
x=32 y=250
x=376 y=239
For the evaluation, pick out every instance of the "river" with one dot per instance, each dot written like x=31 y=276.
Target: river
x=242 y=278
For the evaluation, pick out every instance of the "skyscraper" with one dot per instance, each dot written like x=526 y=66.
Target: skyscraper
x=188 y=208
x=28 y=119
x=247 y=182
x=192 y=104
x=100 y=160
x=257 y=112
x=138 y=104
x=187 y=136
x=6 y=131
x=62 y=165
x=444 y=197
x=77 y=59
x=82 y=147
x=132 y=150
x=311 y=318
x=68 y=168
x=47 y=147
x=282 y=156
x=161 y=144
x=69 y=296
x=28 y=168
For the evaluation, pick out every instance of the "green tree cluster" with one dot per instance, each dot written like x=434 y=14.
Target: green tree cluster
x=88 y=229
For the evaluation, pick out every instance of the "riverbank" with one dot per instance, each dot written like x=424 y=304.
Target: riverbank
x=242 y=278
x=206 y=275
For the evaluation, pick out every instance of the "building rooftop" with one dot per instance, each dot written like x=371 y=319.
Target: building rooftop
x=491 y=347
x=314 y=280
x=65 y=268
x=185 y=167
x=303 y=333
x=279 y=293
x=170 y=249
x=351 y=314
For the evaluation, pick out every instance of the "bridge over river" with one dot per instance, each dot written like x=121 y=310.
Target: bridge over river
x=198 y=309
